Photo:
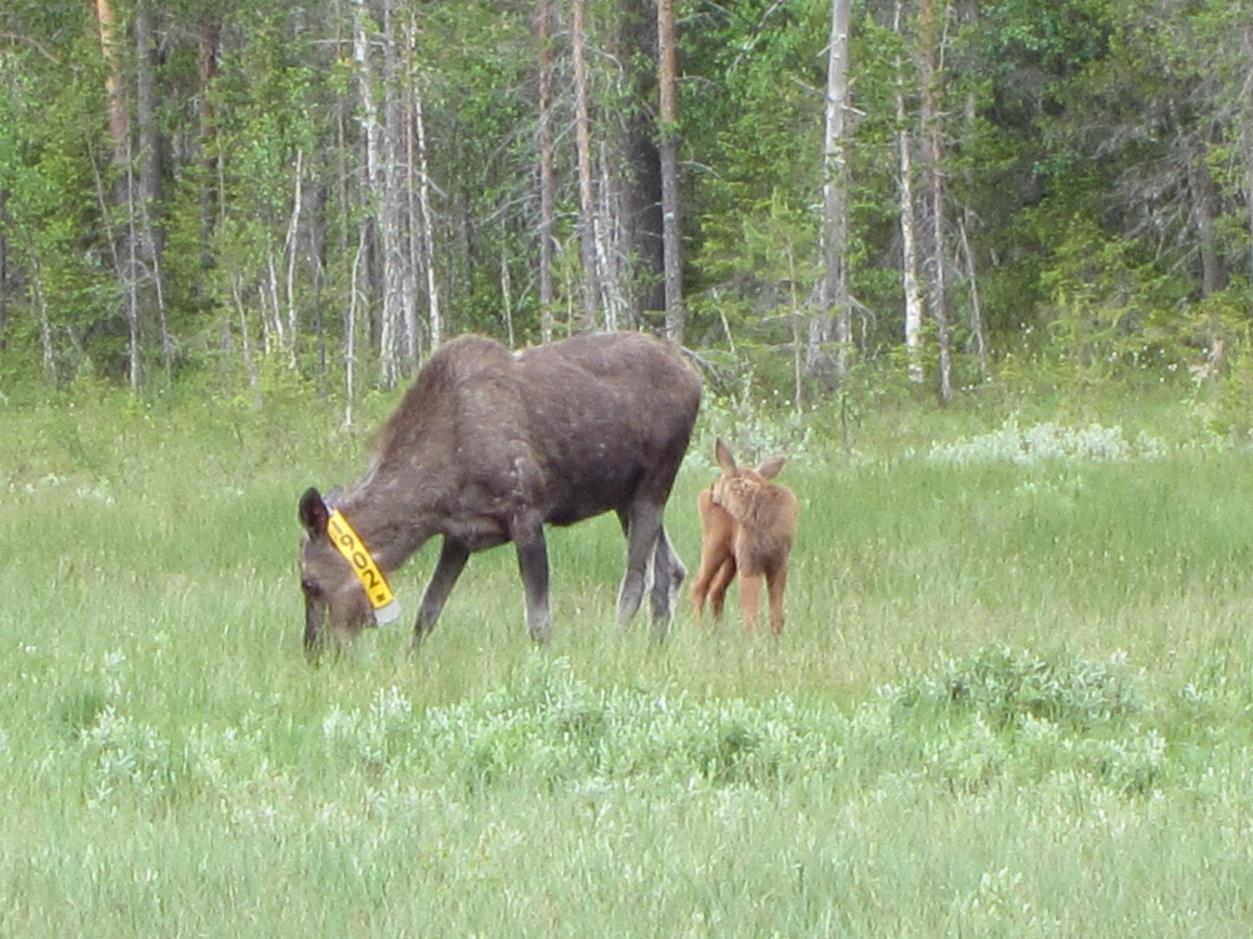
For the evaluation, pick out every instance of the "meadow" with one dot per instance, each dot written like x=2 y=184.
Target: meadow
x=1014 y=696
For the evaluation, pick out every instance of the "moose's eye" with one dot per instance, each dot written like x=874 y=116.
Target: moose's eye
x=309 y=587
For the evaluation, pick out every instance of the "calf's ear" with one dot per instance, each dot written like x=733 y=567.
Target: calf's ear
x=722 y=453
x=313 y=513
x=770 y=469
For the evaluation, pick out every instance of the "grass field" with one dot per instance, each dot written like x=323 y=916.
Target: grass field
x=1014 y=698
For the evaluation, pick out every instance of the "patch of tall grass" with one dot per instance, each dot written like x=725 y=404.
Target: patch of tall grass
x=1012 y=698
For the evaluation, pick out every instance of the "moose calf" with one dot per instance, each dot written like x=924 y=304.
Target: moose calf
x=748 y=525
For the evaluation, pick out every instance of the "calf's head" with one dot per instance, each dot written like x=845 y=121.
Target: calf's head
x=334 y=598
x=737 y=487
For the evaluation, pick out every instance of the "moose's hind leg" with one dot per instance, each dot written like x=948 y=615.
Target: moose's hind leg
x=668 y=576
x=642 y=523
x=528 y=537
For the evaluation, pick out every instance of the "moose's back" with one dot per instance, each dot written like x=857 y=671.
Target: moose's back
x=605 y=412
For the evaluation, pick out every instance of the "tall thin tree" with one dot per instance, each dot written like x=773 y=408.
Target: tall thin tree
x=833 y=294
x=909 y=234
x=547 y=172
x=668 y=118
x=937 y=294
x=583 y=144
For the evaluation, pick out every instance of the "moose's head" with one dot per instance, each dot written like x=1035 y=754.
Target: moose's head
x=333 y=595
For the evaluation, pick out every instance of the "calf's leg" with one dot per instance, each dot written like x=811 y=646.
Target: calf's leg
x=750 y=588
x=721 y=580
x=776 y=580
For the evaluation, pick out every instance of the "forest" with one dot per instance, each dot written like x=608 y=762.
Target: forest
x=916 y=194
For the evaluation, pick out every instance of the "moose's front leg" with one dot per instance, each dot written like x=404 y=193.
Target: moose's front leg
x=527 y=532
x=452 y=560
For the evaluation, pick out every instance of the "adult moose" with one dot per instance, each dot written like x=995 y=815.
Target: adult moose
x=487 y=447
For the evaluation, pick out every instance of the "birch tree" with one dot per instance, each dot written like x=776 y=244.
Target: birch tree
x=937 y=296
x=123 y=246
x=583 y=143
x=547 y=171
x=668 y=119
x=833 y=294
x=909 y=236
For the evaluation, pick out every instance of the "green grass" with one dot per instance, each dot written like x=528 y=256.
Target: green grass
x=1010 y=700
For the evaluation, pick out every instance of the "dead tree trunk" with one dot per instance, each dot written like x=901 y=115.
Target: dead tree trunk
x=833 y=296
x=909 y=234
x=583 y=143
x=118 y=122
x=938 y=293
x=965 y=221
x=434 y=327
x=396 y=305
x=4 y=277
x=668 y=118
x=151 y=237
x=413 y=218
x=207 y=70
x=547 y=175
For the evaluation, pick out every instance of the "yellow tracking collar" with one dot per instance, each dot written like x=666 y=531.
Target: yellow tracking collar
x=358 y=556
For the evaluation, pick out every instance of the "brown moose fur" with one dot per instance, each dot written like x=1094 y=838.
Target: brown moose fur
x=488 y=446
x=748 y=526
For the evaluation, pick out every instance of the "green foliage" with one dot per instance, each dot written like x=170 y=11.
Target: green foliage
x=1004 y=686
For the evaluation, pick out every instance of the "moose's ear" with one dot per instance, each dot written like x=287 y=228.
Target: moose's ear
x=313 y=513
x=722 y=453
x=770 y=469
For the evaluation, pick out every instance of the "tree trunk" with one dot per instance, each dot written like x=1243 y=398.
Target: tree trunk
x=413 y=217
x=150 y=233
x=547 y=175
x=45 y=321
x=833 y=296
x=610 y=244
x=290 y=250
x=978 y=333
x=118 y=123
x=641 y=181
x=207 y=70
x=978 y=330
x=350 y=326
x=937 y=295
x=671 y=229
x=909 y=235
x=1247 y=116
x=395 y=303
x=506 y=285
x=435 y=329
x=116 y=117
x=1204 y=212
x=4 y=278
x=583 y=143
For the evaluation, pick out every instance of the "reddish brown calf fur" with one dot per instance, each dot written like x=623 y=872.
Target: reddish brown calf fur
x=748 y=526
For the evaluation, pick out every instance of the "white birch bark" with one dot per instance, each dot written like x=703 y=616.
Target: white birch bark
x=434 y=321
x=672 y=235
x=583 y=143
x=833 y=289
x=909 y=236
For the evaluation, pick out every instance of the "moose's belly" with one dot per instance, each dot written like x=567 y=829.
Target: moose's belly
x=575 y=500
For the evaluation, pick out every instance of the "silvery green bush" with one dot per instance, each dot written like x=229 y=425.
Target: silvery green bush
x=1048 y=441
